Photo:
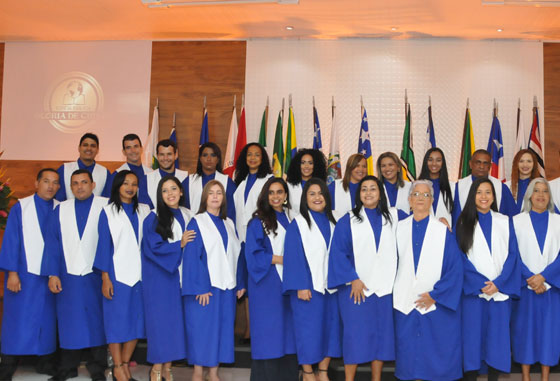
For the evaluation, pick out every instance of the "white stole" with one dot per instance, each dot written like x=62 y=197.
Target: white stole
x=222 y=264
x=79 y=254
x=126 y=256
x=152 y=181
x=244 y=210
x=125 y=166
x=195 y=188
x=178 y=234
x=342 y=200
x=277 y=243
x=33 y=240
x=464 y=186
x=316 y=252
x=441 y=210
x=99 y=175
x=555 y=191
x=295 y=196
x=409 y=285
x=490 y=264
x=375 y=267
x=529 y=248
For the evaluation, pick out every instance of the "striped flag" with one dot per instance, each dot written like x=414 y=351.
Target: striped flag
x=535 y=140
x=241 y=140
x=264 y=122
x=317 y=143
x=229 y=159
x=278 y=154
x=407 y=152
x=521 y=137
x=334 y=171
x=204 y=136
x=173 y=138
x=430 y=133
x=496 y=149
x=364 y=142
x=291 y=143
x=467 y=146
x=150 y=158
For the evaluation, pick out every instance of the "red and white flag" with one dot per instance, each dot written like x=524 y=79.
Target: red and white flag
x=535 y=140
x=229 y=159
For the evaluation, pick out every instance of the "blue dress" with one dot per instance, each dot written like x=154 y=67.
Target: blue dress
x=29 y=320
x=485 y=324
x=317 y=321
x=79 y=308
x=163 y=308
x=369 y=333
x=210 y=336
x=123 y=316
x=272 y=327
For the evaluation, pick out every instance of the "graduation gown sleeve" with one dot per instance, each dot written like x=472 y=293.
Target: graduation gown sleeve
x=552 y=273
x=258 y=251
x=163 y=253
x=507 y=203
x=12 y=241
x=341 y=258
x=447 y=290
x=53 y=255
x=296 y=275
x=103 y=255
x=196 y=278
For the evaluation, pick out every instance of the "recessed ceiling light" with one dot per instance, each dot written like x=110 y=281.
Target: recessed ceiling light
x=500 y=30
x=289 y=27
x=394 y=28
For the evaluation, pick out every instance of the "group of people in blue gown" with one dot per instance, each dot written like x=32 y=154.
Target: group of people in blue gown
x=449 y=280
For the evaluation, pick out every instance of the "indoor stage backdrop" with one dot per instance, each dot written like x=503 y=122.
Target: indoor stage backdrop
x=450 y=71
x=55 y=92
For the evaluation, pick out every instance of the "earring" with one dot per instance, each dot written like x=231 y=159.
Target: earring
x=285 y=201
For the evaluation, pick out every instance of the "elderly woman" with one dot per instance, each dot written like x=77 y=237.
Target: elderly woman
x=535 y=333
x=426 y=294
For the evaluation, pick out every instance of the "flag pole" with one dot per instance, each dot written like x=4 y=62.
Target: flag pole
x=290 y=101
x=429 y=100
x=174 y=124
x=242 y=100
x=313 y=101
x=205 y=101
x=468 y=103
x=234 y=100
x=267 y=99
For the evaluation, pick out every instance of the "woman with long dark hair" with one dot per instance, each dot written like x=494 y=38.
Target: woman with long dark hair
x=314 y=307
x=523 y=169
x=491 y=280
x=272 y=331
x=362 y=265
x=208 y=167
x=209 y=284
x=434 y=168
x=535 y=334
x=396 y=188
x=119 y=260
x=307 y=163
x=343 y=191
x=164 y=236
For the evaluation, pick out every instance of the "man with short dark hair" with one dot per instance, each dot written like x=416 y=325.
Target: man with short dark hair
x=88 y=149
x=29 y=320
x=69 y=254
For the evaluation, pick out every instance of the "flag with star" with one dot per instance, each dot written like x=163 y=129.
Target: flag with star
x=317 y=143
x=364 y=142
x=407 y=152
x=496 y=149
x=535 y=139
x=334 y=171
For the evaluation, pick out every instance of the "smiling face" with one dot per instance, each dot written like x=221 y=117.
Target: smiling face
x=254 y=158
x=525 y=166
x=315 y=199
x=369 y=194
x=208 y=160
x=359 y=172
x=88 y=151
x=166 y=158
x=306 y=167
x=276 y=196
x=171 y=194
x=484 y=198
x=540 y=198
x=389 y=169
x=128 y=188
x=435 y=162
x=133 y=151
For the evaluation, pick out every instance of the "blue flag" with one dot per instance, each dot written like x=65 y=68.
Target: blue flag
x=495 y=147
x=364 y=143
x=204 y=136
x=173 y=138
x=317 y=143
x=430 y=133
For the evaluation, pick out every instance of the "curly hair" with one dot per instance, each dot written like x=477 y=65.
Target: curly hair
x=319 y=165
x=242 y=169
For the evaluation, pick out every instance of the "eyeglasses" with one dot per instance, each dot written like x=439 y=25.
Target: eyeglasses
x=419 y=194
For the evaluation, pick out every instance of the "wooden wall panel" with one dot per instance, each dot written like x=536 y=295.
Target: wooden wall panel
x=2 y=45
x=551 y=60
x=183 y=72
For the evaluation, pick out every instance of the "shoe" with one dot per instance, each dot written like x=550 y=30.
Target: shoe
x=48 y=370
x=156 y=373
x=65 y=375
x=127 y=365
x=98 y=377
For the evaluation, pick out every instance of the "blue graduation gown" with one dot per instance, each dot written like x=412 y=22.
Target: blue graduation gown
x=143 y=195
x=428 y=347
x=138 y=170
x=272 y=330
x=79 y=308
x=230 y=190
x=210 y=336
x=352 y=187
x=61 y=194
x=317 y=321
x=29 y=319
x=485 y=324
x=369 y=333
x=163 y=308
x=521 y=190
x=535 y=329
x=123 y=316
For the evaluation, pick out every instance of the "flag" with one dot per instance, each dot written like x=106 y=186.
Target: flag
x=241 y=140
x=496 y=149
x=521 y=137
x=150 y=158
x=291 y=144
x=535 y=141
x=430 y=133
x=317 y=143
x=173 y=138
x=278 y=154
x=264 y=122
x=229 y=159
x=204 y=137
x=407 y=152
x=334 y=171
x=467 y=146
x=364 y=142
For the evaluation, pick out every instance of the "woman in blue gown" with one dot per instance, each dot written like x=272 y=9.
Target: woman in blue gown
x=434 y=168
x=209 y=284
x=396 y=188
x=535 y=330
x=272 y=331
x=118 y=258
x=362 y=265
x=164 y=236
x=307 y=163
x=523 y=169
x=343 y=191
x=314 y=307
x=491 y=280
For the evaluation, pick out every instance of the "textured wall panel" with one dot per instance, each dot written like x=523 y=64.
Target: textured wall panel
x=380 y=70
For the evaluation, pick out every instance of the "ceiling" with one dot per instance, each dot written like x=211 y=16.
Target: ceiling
x=75 y=20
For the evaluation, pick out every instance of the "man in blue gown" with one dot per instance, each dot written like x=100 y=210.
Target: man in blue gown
x=69 y=254
x=29 y=320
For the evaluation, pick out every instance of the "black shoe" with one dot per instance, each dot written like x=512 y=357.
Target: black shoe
x=48 y=370
x=64 y=375
x=98 y=376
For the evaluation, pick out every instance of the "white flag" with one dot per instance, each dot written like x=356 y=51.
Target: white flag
x=150 y=154
x=229 y=159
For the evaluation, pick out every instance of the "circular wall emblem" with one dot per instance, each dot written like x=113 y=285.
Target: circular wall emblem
x=72 y=101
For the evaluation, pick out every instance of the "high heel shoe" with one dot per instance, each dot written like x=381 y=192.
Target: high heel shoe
x=168 y=370
x=157 y=373
x=131 y=378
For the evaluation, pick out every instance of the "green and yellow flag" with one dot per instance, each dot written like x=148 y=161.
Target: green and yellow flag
x=467 y=147
x=264 y=121
x=291 y=144
x=278 y=154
